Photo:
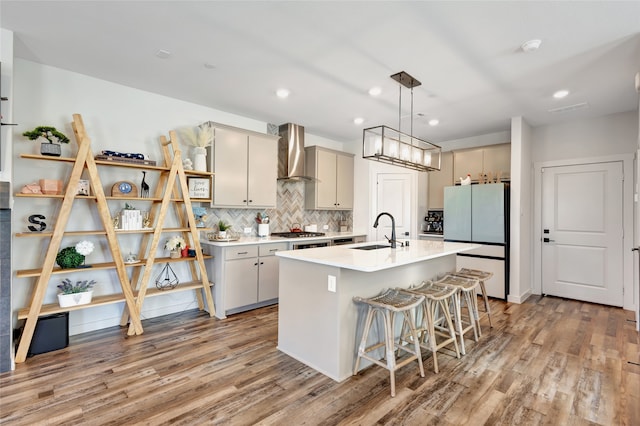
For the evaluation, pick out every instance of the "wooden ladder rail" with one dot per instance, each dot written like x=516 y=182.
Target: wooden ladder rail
x=176 y=173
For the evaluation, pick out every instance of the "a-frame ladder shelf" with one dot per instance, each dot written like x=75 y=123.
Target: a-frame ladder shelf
x=172 y=189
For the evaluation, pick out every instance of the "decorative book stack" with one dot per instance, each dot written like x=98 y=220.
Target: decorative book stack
x=130 y=220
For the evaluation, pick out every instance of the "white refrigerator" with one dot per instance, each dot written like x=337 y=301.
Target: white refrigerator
x=480 y=214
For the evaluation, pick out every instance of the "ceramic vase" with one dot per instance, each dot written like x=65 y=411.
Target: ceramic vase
x=200 y=159
x=175 y=254
x=73 y=299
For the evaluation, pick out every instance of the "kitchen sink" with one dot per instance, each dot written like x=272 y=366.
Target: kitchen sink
x=372 y=247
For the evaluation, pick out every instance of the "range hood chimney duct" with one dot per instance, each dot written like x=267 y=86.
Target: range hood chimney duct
x=291 y=153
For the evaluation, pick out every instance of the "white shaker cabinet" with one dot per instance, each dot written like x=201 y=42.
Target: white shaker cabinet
x=333 y=187
x=245 y=164
x=246 y=276
x=492 y=159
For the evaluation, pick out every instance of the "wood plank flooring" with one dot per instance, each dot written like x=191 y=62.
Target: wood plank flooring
x=546 y=362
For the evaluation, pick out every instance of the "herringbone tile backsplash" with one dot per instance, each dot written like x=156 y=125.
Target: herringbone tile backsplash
x=289 y=210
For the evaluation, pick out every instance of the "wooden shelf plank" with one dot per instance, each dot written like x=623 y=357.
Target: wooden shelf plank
x=54 y=308
x=113 y=164
x=24 y=273
x=83 y=233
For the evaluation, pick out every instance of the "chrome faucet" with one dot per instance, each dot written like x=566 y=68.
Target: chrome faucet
x=393 y=228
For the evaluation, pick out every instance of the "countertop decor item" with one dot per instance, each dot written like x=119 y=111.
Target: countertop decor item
x=167 y=279
x=79 y=293
x=175 y=244
x=51 y=135
x=85 y=248
x=223 y=227
x=199 y=138
x=69 y=258
x=394 y=147
x=124 y=188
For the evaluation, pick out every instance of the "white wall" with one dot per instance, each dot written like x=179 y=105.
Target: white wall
x=476 y=141
x=117 y=118
x=521 y=218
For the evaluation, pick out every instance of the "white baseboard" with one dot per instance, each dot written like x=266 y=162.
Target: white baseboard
x=519 y=299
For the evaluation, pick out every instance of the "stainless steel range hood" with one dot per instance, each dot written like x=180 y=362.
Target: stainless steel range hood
x=291 y=153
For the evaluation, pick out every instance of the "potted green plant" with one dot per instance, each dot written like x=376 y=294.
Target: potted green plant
x=222 y=228
x=75 y=294
x=51 y=135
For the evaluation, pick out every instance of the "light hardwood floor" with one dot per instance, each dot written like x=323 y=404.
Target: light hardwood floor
x=548 y=361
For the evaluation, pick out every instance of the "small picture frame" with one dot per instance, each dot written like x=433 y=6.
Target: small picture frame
x=83 y=188
x=199 y=187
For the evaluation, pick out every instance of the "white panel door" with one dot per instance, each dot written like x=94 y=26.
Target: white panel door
x=394 y=197
x=582 y=232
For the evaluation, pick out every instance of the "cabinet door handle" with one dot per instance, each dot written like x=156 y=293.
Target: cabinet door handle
x=242 y=252
x=255 y=264
x=262 y=263
x=272 y=250
x=244 y=201
x=251 y=201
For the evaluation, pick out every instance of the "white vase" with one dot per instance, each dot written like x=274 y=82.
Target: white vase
x=174 y=254
x=200 y=159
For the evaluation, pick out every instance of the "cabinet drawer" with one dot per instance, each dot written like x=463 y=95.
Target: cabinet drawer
x=241 y=252
x=271 y=249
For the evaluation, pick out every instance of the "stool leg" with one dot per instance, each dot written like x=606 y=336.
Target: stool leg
x=458 y=318
x=471 y=311
x=476 y=311
x=452 y=333
x=432 y=334
x=363 y=341
x=486 y=302
x=390 y=349
x=416 y=343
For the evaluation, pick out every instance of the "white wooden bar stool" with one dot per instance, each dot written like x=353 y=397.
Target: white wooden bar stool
x=467 y=294
x=482 y=277
x=388 y=304
x=437 y=299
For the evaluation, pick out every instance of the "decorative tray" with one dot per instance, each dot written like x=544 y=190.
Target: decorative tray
x=222 y=240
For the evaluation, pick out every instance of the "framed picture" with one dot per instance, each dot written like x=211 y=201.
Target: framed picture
x=199 y=187
x=83 y=187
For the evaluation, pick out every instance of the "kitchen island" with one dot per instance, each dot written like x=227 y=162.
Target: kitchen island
x=317 y=318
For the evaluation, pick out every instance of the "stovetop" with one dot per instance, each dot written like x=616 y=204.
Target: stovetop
x=297 y=234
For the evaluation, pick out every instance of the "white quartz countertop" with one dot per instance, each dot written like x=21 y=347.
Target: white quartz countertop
x=347 y=257
x=266 y=240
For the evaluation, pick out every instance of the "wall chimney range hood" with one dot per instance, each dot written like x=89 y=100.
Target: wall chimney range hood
x=291 y=153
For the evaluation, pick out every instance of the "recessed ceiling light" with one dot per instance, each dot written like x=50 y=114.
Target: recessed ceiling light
x=358 y=120
x=531 y=45
x=282 y=93
x=163 y=54
x=561 y=94
x=434 y=122
x=375 y=91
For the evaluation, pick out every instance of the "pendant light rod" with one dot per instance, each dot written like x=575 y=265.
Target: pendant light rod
x=409 y=82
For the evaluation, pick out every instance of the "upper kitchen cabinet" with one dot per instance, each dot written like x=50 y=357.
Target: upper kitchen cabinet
x=492 y=159
x=333 y=187
x=439 y=180
x=246 y=167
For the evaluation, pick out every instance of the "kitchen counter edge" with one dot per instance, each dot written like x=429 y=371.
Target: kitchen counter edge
x=270 y=240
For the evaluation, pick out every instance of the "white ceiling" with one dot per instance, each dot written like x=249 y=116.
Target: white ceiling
x=330 y=53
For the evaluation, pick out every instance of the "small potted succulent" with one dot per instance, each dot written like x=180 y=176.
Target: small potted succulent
x=223 y=227
x=51 y=135
x=75 y=294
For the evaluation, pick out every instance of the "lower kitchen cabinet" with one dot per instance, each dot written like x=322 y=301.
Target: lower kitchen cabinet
x=246 y=276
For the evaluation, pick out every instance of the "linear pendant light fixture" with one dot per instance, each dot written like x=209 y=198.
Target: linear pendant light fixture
x=391 y=146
